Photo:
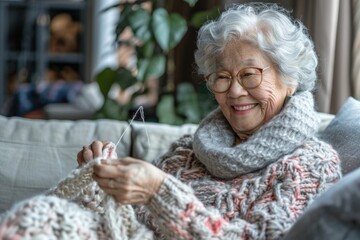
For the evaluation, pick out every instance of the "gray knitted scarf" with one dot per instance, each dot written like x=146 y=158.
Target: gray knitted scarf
x=214 y=139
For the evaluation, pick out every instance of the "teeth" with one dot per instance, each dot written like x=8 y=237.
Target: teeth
x=244 y=107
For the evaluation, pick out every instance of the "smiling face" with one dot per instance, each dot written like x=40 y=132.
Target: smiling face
x=247 y=110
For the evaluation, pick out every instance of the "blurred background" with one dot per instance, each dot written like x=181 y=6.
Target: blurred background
x=87 y=59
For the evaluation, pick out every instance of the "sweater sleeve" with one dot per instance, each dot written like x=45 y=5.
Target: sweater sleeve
x=290 y=185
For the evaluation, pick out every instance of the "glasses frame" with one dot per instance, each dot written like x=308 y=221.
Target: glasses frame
x=238 y=79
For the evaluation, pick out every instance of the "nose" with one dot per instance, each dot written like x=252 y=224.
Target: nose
x=236 y=90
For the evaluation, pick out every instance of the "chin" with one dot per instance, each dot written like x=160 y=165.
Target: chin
x=248 y=128
x=241 y=129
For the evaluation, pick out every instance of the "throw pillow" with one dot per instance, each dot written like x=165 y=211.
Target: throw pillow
x=152 y=140
x=343 y=133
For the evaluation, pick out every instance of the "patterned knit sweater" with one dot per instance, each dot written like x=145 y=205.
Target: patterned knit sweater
x=271 y=184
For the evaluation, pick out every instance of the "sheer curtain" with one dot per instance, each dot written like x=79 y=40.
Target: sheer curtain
x=356 y=49
x=330 y=24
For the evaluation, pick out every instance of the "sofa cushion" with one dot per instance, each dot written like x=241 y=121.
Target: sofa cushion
x=36 y=154
x=151 y=140
x=325 y=119
x=343 y=133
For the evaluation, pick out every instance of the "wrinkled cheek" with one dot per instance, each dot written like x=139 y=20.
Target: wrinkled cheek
x=267 y=107
x=270 y=108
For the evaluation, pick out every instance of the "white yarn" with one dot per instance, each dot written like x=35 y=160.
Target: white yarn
x=79 y=187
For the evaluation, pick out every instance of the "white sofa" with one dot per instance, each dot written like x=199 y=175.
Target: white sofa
x=36 y=154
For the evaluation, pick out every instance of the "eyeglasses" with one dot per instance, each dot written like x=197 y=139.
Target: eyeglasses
x=248 y=78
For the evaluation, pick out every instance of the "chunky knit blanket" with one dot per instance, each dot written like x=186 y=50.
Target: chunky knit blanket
x=75 y=209
x=270 y=188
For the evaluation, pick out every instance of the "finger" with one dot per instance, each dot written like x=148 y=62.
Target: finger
x=105 y=143
x=105 y=183
x=130 y=160
x=80 y=158
x=108 y=169
x=87 y=155
x=124 y=161
x=110 y=162
x=108 y=150
x=97 y=148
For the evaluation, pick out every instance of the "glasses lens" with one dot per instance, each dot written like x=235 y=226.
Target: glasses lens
x=250 y=77
x=219 y=82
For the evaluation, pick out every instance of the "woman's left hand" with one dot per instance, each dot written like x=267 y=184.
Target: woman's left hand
x=129 y=180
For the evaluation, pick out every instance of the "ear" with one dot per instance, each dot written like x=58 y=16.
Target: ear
x=290 y=91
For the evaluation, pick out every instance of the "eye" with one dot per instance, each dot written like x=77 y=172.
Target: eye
x=222 y=75
x=248 y=72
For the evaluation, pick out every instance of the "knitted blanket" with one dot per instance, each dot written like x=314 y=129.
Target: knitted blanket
x=75 y=202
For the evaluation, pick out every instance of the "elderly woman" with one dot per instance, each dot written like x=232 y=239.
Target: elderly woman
x=253 y=165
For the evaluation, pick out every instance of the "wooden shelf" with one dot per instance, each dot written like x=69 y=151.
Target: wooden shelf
x=25 y=35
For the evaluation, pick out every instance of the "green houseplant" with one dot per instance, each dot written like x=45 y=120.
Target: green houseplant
x=155 y=32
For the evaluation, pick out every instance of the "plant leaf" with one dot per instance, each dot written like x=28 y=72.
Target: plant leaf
x=123 y=21
x=156 y=67
x=138 y=18
x=139 y=21
x=199 y=18
x=148 y=49
x=188 y=104
x=143 y=33
x=125 y=78
x=178 y=28
x=168 y=29
x=206 y=100
x=152 y=67
x=143 y=65
x=160 y=25
x=105 y=80
x=111 y=109
x=166 y=112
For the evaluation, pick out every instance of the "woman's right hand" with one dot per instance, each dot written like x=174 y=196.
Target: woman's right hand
x=88 y=153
